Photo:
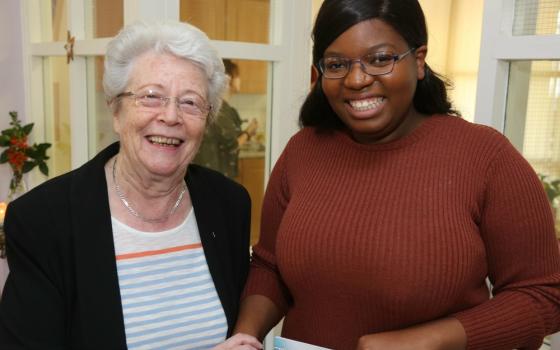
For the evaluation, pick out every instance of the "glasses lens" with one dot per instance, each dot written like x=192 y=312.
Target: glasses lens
x=192 y=106
x=334 y=67
x=379 y=63
x=150 y=101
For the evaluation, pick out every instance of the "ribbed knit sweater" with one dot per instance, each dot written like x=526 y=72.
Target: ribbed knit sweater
x=358 y=239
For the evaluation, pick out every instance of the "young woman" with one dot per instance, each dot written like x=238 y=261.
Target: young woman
x=386 y=214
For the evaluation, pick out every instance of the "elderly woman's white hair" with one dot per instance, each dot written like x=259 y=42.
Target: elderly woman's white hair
x=180 y=39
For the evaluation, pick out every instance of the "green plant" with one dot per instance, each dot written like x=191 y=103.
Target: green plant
x=551 y=187
x=21 y=157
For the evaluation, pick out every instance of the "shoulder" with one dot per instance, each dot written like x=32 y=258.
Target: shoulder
x=480 y=147
x=458 y=124
x=209 y=180
x=310 y=137
x=463 y=132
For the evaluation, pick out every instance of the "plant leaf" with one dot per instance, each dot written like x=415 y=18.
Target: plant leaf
x=4 y=157
x=28 y=166
x=27 y=129
x=44 y=168
x=4 y=140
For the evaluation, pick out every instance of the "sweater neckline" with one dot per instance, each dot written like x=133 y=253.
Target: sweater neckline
x=425 y=128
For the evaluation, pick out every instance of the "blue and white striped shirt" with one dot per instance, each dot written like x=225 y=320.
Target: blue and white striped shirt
x=168 y=296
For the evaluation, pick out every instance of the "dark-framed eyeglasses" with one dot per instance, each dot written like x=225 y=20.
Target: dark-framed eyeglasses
x=377 y=63
x=190 y=105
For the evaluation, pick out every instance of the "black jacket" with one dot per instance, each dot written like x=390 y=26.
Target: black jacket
x=63 y=291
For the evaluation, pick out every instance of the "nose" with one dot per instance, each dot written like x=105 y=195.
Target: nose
x=170 y=113
x=357 y=78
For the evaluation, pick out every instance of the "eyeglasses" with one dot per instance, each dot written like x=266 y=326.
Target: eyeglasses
x=191 y=105
x=378 y=63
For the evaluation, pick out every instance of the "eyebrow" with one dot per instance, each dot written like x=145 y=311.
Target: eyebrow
x=373 y=49
x=161 y=87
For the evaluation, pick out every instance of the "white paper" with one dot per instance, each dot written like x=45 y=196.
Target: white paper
x=289 y=344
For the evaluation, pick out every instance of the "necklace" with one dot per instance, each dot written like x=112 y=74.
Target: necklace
x=135 y=213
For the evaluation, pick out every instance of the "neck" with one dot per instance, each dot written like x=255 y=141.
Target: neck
x=147 y=203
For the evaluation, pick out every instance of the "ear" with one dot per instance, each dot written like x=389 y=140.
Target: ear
x=314 y=75
x=420 y=55
x=116 y=120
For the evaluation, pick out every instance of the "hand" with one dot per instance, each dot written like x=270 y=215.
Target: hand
x=390 y=340
x=240 y=341
x=443 y=334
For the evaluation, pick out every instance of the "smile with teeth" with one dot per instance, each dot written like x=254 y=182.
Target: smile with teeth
x=164 y=141
x=367 y=104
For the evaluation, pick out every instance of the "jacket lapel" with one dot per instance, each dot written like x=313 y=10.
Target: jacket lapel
x=98 y=302
x=211 y=225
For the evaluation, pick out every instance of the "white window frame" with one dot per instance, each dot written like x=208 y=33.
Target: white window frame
x=498 y=48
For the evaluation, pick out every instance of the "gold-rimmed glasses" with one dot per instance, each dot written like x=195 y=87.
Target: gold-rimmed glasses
x=377 y=63
x=189 y=105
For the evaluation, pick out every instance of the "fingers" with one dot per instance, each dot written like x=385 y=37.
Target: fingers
x=240 y=341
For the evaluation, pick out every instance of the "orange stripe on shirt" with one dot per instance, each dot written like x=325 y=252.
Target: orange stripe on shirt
x=158 y=252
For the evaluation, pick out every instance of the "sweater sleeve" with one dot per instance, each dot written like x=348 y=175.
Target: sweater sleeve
x=264 y=276
x=517 y=228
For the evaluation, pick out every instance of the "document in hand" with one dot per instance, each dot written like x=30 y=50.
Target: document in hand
x=289 y=344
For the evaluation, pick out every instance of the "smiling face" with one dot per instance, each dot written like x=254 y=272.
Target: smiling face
x=376 y=109
x=163 y=141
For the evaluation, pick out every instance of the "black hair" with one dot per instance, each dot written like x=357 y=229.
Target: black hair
x=407 y=18
x=232 y=69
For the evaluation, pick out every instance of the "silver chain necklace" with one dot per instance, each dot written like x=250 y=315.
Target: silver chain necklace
x=132 y=211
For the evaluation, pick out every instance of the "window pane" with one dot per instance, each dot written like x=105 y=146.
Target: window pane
x=57 y=115
x=533 y=119
x=100 y=123
x=226 y=149
x=48 y=20
x=536 y=17
x=231 y=20
x=104 y=18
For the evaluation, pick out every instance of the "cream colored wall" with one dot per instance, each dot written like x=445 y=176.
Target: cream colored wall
x=315 y=4
x=454 y=31
x=463 y=53
x=12 y=90
x=437 y=14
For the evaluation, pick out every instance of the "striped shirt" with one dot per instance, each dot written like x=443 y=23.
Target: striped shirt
x=168 y=297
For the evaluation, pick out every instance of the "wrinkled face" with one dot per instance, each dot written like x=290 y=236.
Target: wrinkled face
x=379 y=108
x=161 y=141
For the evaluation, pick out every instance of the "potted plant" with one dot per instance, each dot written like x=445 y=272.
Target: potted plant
x=22 y=158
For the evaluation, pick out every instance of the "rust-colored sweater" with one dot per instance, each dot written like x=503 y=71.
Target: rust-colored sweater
x=358 y=239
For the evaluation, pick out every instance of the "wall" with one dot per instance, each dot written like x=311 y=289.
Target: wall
x=11 y=74
x=463 y=54
x=438 y=22
x=454 y=31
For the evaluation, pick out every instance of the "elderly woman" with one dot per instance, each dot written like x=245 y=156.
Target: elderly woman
x=137 y=248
